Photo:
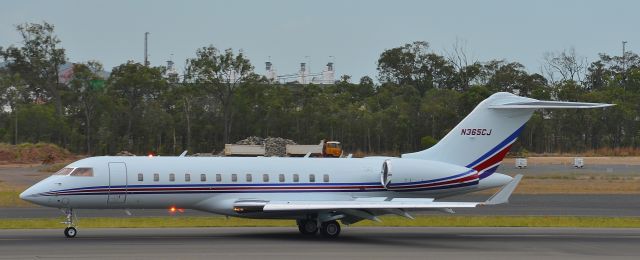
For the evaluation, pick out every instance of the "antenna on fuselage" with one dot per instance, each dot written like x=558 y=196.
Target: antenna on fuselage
x=183 y=153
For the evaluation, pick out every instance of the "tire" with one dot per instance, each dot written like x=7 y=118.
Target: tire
x=70 y=232
x=330 y=229
x=307 y=227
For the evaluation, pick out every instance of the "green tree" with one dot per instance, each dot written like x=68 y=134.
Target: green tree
x=135 y=86
x=220 y=74
x=414 y=65
x=38 y=63
x=86 y=86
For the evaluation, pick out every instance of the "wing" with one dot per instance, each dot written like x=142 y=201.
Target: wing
x=368 y=208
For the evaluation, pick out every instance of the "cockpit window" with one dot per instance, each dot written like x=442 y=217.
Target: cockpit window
x=64 y=171
x=83 y=172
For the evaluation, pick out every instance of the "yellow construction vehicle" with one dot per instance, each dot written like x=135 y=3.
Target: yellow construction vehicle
x=332 y=149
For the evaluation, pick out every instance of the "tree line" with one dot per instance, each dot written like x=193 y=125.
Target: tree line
x=219 y=99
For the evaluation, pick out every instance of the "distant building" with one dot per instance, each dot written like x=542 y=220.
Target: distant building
x=303 y=75
x=271 y=75
x=327 y=77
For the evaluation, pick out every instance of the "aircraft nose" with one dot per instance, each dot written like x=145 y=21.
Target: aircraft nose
x=25 y=195
x=29 y=195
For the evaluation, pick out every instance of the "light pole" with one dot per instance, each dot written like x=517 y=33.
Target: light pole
x=624 y=61
x=624 y=69
x=146 y=56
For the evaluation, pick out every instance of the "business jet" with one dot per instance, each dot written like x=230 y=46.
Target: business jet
x=315 y=192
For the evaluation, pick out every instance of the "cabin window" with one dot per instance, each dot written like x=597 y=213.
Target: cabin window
x=140 y=177
x=281 y=177
x=203 y=177
x=296 y=178
x=156 y=177
x=265 y=177
x=64 y=171
x=249 y=177
x=83 y=172
x=325 y=178
x=187 y=177
x=312 y=178
x=234 y=177
x=218 y=177
x=172 y=177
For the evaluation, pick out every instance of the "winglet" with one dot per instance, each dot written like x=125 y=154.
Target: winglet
x=183 y=153
x=503 y=195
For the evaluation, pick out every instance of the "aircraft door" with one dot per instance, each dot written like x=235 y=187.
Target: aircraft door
x=117 y=183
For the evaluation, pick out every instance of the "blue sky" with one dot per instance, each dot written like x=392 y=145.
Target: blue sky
x=353 y=32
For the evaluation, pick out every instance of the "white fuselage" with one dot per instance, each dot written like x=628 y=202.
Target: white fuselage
x=213 y=184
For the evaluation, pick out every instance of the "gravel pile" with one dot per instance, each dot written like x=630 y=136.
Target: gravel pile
x=273 y=146
x=125 y=153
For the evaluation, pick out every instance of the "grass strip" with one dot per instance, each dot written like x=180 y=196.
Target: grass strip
x=389 y=221
x=11 y=199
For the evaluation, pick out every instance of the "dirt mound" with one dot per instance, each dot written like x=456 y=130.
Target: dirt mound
x=274 y=146
x=33 y=153
x=125 y=153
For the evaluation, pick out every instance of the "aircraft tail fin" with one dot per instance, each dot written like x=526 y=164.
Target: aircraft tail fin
x=484 y=137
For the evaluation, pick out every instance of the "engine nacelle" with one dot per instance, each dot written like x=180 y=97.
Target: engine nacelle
x=415 y=175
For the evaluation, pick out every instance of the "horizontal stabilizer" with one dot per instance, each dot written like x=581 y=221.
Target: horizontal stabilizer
x=548 y=104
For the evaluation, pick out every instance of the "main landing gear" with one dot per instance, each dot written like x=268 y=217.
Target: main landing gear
x=70 y=231
x=329 y=229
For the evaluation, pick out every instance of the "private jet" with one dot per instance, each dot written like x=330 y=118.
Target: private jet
x=317 y=193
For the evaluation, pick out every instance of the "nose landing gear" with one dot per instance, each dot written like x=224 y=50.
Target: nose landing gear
x=70 y=231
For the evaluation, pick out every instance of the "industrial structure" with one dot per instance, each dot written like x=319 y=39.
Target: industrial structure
x=303 y=75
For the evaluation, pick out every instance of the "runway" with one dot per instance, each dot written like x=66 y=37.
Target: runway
x=548 y=205
x=354 y=243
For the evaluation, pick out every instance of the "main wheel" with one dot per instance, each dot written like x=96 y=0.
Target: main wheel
x=307 y=227
x=70 y=232
x=330 y=229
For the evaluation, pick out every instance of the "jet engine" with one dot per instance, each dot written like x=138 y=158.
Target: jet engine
x=414 y=174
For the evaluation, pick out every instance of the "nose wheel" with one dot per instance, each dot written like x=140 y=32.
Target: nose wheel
x=70 y=231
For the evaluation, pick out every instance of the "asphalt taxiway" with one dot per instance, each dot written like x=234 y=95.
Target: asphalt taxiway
x=354 y=243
